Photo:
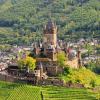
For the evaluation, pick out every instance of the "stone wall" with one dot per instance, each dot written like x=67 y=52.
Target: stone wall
x=6 y=78
x=51 y=81
x=55 y=82
x=73 y=63
x=59 y=82
x=54 y=70
x=74 y=85
x=9 y=78
x=51 y=68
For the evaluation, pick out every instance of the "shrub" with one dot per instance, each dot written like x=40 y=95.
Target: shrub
x=67 y=70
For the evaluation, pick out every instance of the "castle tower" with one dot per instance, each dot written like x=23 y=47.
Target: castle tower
x=50 y=33
x=50 y=40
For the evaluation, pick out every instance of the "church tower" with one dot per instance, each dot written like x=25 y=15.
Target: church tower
x=50 y=40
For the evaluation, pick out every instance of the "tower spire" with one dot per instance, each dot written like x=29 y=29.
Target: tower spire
x=50 y=16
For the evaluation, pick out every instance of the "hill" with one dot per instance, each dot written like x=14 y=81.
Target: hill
x=27 y=17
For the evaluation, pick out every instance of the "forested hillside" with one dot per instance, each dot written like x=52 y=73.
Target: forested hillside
x=24 y=19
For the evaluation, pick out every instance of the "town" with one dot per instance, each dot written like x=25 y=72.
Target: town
x=49 y=49
x=46 y=54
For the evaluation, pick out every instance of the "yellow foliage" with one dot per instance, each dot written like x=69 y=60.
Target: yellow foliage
x=82 y=76
x=27 y=62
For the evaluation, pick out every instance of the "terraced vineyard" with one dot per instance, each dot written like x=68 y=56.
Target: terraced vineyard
x=55 y=93
x=9 y=91
x=19 y=92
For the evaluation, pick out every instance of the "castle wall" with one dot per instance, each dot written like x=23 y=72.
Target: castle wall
x=73 y=63
x=51 y=68
x=54 y=70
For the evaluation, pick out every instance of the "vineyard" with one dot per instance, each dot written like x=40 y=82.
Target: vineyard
x=55 y=93
x=9 y=91
x=19 y=92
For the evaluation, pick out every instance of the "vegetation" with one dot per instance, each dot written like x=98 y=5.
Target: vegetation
x=59 y=93
x=24 y=19
x=81 y=76
x=98 y=80
x=61 y=58
x=5 y=47
x=90 y=48
x=94 y=66
x=98 y=49
x=27 y=62
x=12 y=91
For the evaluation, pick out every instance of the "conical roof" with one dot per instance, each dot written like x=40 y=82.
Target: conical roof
x=50 y=27
x=50 y=24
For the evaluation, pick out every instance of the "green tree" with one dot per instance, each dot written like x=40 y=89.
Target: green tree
x=94 y=66
x=61 y=58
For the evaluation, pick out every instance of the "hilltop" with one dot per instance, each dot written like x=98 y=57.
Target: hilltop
x=27 y=17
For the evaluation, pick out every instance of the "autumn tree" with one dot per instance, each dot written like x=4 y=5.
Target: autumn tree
x=28 y=63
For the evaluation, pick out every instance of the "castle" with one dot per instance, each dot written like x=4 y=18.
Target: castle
x=46 y=52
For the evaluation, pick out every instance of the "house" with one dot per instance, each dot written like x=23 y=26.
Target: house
x=3 y=66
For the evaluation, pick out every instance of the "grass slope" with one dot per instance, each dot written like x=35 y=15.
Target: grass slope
x=10 y=91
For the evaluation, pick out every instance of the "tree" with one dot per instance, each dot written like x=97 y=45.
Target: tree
x=94 y=66
x=61 y=58
x=28 y=63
